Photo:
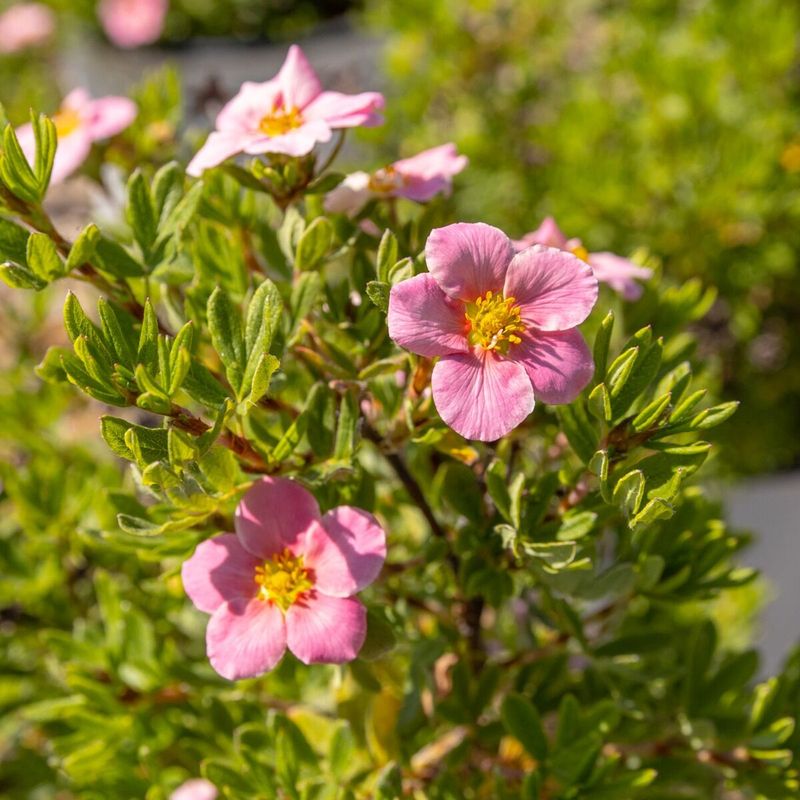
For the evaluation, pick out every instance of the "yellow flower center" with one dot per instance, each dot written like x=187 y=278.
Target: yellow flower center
x=386 y=180
x=581 y=252
x=494 y=322
x=280 y=120
x=283 y=579
x=66 y=121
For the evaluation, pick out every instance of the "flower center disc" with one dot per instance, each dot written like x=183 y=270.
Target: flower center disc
x=283 y=579
x=581 y=252
x=386 y=180
x=66 y=121
x=280 y=120
x=494 y=322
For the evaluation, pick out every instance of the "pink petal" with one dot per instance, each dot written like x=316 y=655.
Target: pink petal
x=555 y=289
x=220 y=569
x=219 y=147
x=468 y=259
x=424 y=320
x=559 y=364
x=326 y=630
x=274 y=514
x=25 y=25
x=548 y=233
x=71 y=152
x=420 y=190
x=108 y=116
x=430 y=172
x=346 y=552
x=297 y=142
x=619 y=273
x=297 y=79
x=132 y=23
x=480 y=395
x=244 y=111
x=350 y=196
x=79 y=99
x=346 y=110
x=195 y=789
x=245 y=638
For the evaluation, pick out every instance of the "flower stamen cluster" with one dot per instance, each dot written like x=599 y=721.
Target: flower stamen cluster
x=386 y=180
x=283 y=579
x=280 y=120
x=494 y=322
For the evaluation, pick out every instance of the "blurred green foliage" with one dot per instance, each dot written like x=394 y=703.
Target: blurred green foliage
x=667 y=124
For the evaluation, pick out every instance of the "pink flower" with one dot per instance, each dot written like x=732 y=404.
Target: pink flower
x=503 y=324
x=618 y=272
x=79 y=122
x=25 y=25
x=285 y=578
x=288 y=114
x=419 y=178
x=195 y=789
x=132 y=23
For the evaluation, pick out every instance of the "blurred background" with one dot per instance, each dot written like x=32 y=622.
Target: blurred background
x=666 y=128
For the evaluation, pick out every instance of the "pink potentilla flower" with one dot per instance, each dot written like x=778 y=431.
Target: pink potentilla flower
x=419 y=178
x=619 y=273
x=504 y=326
x=133 y=23
x=195 y=789
x=285 y=578
x=288 y=114
x=25 y=25
x=79 y=123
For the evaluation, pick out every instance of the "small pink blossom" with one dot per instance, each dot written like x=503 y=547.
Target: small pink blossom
x=25 y=25
x=418 y=178
x=133 y=23
x=618 y=272
x=286 y=578
x=288 y=114
x=195 y=789
x=80 y=122
x=504 y=326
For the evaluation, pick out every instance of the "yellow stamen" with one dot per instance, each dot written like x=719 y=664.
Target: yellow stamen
x=494 y=322
x=283 y=579
x=280 y=120
x=386 y=180
x=581 y=252
x=66 y=121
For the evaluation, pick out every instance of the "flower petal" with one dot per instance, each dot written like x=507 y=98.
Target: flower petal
x=548 y=233
x=340 y=110
x=554 y=289
x=430 y=172
x=481 y=396
x=326 y=630
x=245 y=638
x=346 y=552
x=219 y=147
x=424 y=320
x=108 y=116
x=195 y=789
x=247 y=108
x=559 y=364
x=274 y=514
x=468 y=259
x=220 y=569
x=297 y=79
x=350 y=196
x=619 y=273
x=297 y=142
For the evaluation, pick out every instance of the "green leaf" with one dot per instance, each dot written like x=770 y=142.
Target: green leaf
x=113 y=258
x=18 y=277
x=620 y=370
x=140 y=213
x=644 y=371
x=380 y=636
x=263 y=320
x=601 y=345
x=685 y=407
x=341 y=751
x=15 y=170
x=716 y=415
x=262 y=377
x=556 y=555
x=44 y=132
x=314 y=244
x=387 y=256
x=629 y=492
x=147 y=351
x=345 y=443
x=651 y=413
x=599 y=403
x=304 y=295
x=13 y=242
x=43 y=258
x=225 y=326
x=378 y=292
x=522 y=721
x=578 y=429
x=83 y=248
x=294 y=433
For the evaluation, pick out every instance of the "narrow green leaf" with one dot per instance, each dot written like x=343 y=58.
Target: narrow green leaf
x=522 y=721
x=314 y=244
x=387 y=255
